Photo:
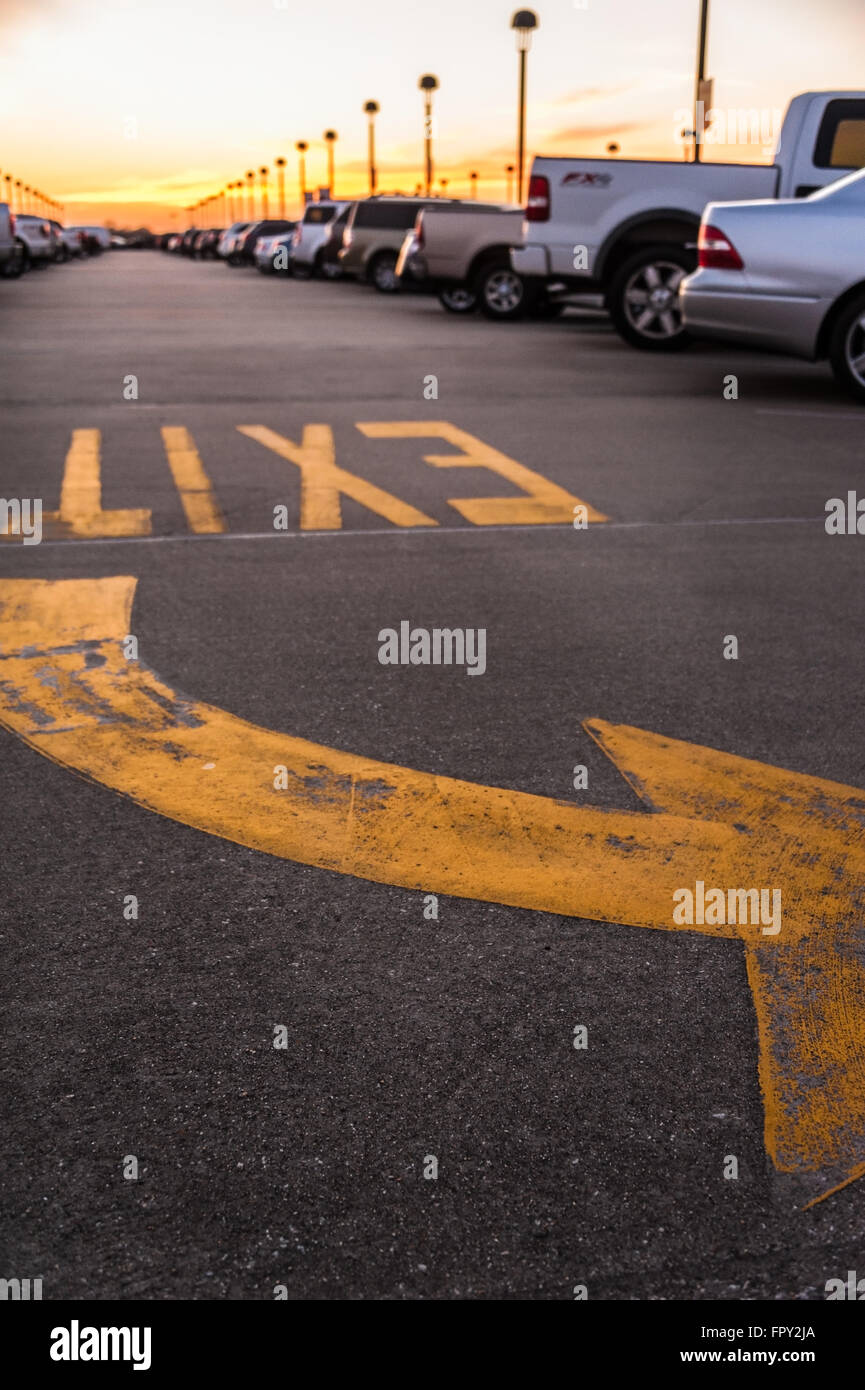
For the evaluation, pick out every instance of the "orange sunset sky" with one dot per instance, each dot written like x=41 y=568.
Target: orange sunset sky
x=130 y=111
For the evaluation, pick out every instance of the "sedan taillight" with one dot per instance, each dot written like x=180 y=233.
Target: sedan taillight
x=538 y=201
x=715 y=251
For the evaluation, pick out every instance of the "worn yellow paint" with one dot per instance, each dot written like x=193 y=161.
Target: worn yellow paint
x=67 y=690
x=322 y=481
x=80 y=512
x=190 y=477
x=544 y=503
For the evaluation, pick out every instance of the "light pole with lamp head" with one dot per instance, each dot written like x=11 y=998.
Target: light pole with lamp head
x=524 y=22
x=302 y=146
x=265 y=210
x=330 y=137
x=428 y=84
x=280 y=183
x=371 y=108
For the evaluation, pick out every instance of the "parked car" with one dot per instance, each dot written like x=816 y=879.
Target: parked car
x=309 y=237
x=327 y=256
x=95 y=238
x=73 y=240
x=173 y=242
x=229 y=236
x=788 y=276
x=206 y=243
x=243 y=248
x=461 y=251
x=273 y=253
x=11 y=252
x=38 y=239
x=624 y=227
x=374 y=235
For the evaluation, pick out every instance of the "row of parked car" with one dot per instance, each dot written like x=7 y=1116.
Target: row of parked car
x=27 y=241
x=766 y=255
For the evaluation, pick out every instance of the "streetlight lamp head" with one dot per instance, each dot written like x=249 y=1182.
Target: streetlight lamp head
x=250 y=173
x=428 y=83
x=263 y=169
x=371 y=107
x=280 y=163
x=524 y=21
x=301 y=145
x=330 y=135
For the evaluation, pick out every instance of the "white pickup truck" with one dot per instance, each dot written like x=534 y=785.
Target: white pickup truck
x=627 y=228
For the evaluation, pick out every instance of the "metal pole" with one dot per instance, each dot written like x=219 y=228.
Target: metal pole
x=521 y=138
x=372 y=176
x=701 y=73
x=428 y=142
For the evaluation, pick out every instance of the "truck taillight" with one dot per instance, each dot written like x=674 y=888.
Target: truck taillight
x=418 y=233
x=12 y=222
x=715 y=251
x=538 y=201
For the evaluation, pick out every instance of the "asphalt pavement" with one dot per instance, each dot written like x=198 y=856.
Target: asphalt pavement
x=408 y=1037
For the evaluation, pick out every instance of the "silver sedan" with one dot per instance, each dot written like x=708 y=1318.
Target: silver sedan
x=788 y=276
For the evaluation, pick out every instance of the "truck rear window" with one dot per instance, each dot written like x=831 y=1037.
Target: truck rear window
x=841 y=139
x=318 y=215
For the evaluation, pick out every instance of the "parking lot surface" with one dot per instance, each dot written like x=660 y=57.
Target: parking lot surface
x=358 y=1081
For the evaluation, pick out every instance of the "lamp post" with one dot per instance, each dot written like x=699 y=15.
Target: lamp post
x=302 y=146
x=371 y=108
x=330 y=137
x=699 y=89
x=265 y=212
x=509 y=173
x=473 y=178
x=280 y=183
x=523 y=22
x=428 y=84
x=250 y=189
x=8 y=178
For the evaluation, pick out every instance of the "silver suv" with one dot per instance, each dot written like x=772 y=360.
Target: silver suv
x=39 y=241
x=375 y=232
x=308 y=240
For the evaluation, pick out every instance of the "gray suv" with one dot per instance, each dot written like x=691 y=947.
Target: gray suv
x=373 y=237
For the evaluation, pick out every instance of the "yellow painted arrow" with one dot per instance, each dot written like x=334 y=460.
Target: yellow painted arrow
x=67 y=689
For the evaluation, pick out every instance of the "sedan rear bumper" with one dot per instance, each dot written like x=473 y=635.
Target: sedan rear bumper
x=731 y=312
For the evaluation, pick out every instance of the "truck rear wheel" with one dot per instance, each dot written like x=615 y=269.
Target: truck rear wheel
x=459 y=299
x=501 y=292
x=644 y=298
